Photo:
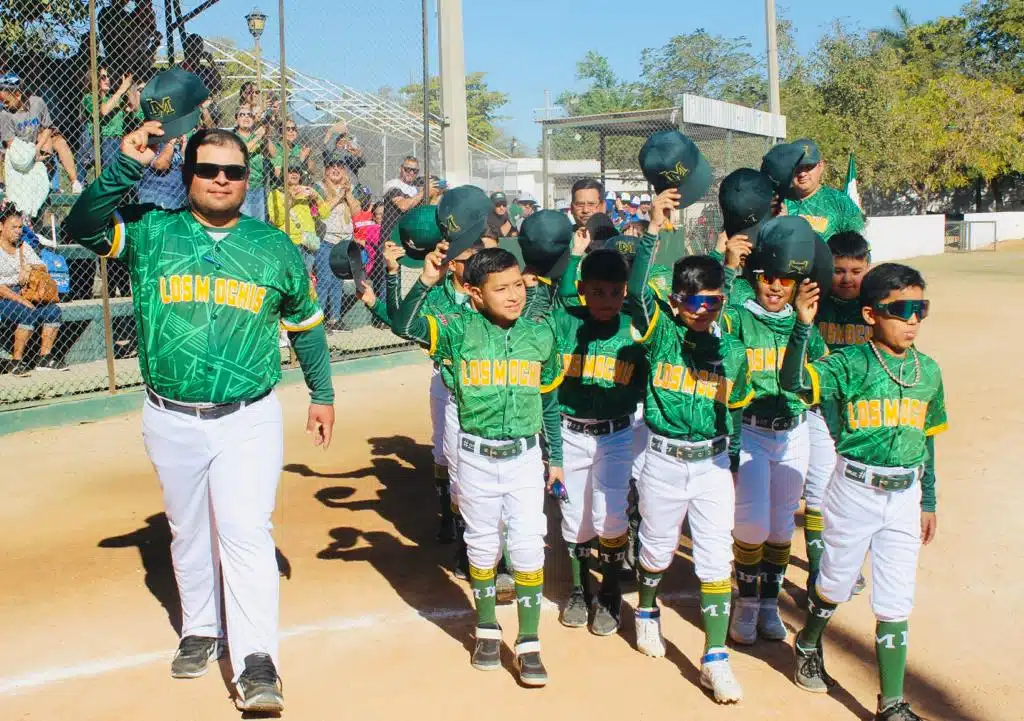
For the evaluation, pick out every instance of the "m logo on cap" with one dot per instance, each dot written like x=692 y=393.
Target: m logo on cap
x=450 y=225
x=799 y=266
x=159 y=107
x=807 y=149
x=752 y=219
x=676 y=175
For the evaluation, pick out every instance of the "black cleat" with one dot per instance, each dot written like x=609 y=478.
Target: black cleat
x=259 y=686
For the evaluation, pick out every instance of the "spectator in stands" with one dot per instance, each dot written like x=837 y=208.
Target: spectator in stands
x=499 y=224
x=337 y=206
x=255 y=138
x=527 y=206
x=364 y=218
x=201 y=64
x=302 y=213
x=162 y=184
x=298 y=154
x=587 y=200
x=402 y=194
x=26 y=117
x=339 y=142
x=16 y=260
x=120 y=114
x=129 y=38
x=644 y=210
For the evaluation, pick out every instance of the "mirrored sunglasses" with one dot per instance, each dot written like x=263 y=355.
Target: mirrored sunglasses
x=786 y=283
x=694 y=303
x=905 y=309
x=210 y=171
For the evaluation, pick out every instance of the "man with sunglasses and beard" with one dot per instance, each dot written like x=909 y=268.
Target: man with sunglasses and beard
x=404 y=193
x=212 y=288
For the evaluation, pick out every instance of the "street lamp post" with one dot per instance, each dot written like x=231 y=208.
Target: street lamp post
x=257 y=21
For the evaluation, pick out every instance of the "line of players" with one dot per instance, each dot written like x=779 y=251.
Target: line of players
x=692 y=383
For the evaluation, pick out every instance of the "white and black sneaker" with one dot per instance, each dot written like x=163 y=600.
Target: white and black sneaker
x=49 y=363
x=194 y=655
x=259 y=686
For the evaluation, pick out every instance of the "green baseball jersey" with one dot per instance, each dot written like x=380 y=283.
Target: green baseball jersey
x=661 y=280
x=829 y=211
x=605 y=369
x=695 y=379
x=443 y=299
x=540 y=299
x=499 y=373
x=841 y=323
x=208 y=310
x=765 y=336
x=883 y=423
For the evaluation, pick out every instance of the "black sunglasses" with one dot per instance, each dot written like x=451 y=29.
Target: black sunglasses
x=407 y=169
x=210 y=171
x=905 y=309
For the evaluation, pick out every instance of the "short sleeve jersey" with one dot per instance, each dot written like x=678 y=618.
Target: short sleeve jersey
x=500 y=373
x=829 y=211
x=605 y=368
x=695 y=380
x=841 y=324
x=26 y=123
x=882 y=423
x=209 y=311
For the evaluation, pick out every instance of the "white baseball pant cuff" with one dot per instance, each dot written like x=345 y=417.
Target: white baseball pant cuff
x=597 y=482
x=859 y=519
x=670 y=489
x=773 y=465
x=219 y=480
x=639 y=442
x=451 y=445
x=822 y=460
x=502 y=494
x=438 y=397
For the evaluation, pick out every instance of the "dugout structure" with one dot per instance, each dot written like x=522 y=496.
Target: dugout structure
x=606 y=146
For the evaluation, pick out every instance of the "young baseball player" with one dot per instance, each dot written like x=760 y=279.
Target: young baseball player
x=774 y=437
x=605 y=372
x=840 y=324
x=697 y=387
x=882 y=497
x=507 y=369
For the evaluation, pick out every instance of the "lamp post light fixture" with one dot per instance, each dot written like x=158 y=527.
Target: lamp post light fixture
x=257 y=21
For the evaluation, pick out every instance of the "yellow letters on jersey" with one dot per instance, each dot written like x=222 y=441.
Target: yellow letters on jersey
x=597 y=367
x=501 y=373
x=844 y=333
x=681 y=378
x=885 y=412
x=765 y=359
x=226 y=291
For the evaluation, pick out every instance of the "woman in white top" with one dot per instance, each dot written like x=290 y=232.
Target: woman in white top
x=337 y=207
x=14 y=271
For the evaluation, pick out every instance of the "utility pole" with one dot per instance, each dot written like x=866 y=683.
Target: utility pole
x=546 y=147
x=774 y=105
x=453 y=91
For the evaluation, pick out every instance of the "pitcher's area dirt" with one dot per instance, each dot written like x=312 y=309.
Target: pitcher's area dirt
x=374 y=626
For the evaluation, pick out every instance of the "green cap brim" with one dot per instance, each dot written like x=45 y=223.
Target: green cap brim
x=180 y=126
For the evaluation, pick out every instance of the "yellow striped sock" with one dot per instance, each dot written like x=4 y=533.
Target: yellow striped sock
x=777 y=553
x=747 y=554
x=615 y=542
x=529 y=578
x=813 y=520
x=723 y=586
x=481 y=574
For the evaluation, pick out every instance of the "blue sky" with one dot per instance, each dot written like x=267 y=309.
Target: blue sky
x=526 y=46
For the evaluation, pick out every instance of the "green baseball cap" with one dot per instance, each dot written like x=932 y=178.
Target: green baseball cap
x=780 y=164
x=669 y=159
x=625 y=244
x=418 y=234
x=812 y=154
x=745 y=197
x=462 y=217
x=346 y=261
x=546 y=238
x=499 y=198
x=511 y=244
x=824 y=266
x=601 y=228
x=173 y=97
x=785 y=248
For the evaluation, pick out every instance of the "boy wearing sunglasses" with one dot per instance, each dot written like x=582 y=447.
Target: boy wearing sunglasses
x=775 y=440
x=882 y=496
x=697 y=386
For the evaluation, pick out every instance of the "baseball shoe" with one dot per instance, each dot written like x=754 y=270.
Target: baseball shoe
x=858 y=588
x=531 y=668
x=576 y=612
x=607 y=612
x=769 y=623
x=259 y=686
x=810 y=674
x=743 y=623
x=194 y=655
x=487 y=650
x=648 y=632
x=20 y=368
x=446 y=533
x=505 y=588
x=899 y=711
x=716 y=675
x=49 y=363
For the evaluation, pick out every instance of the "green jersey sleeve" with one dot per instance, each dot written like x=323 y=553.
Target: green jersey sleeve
x=300 y=310
x=825 y=379
x=443 y=331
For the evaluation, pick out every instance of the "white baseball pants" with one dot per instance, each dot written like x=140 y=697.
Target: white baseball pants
x=859 y=519
x=451 y=444
x=499 y=495
x=597 y=480
x=438 y=398
x=669 y=490
x=639 y=442
x=822 y=461
x=773 y=465
x=219 y=479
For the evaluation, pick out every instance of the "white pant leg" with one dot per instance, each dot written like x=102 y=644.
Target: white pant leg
x=178 y=447
x=788 y=470
x=451 y=445
x=611 y=470
x=248 y=455
x=640 y=434
x=522 y=482
x=663 y=505
x=480 y=501
x=822 y=461
x=853 y=513
x=438 y=397
x=579 y=452
x=753 y=487
x=894 y=552
x=712 y=511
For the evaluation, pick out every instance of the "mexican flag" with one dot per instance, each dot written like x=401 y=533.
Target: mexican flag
x=851 y=182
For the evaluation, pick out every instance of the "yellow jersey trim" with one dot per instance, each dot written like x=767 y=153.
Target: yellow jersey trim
x=815 y=384
x=728 y=323
x=311 y=322
x=434 y=332
x=553 y=384
x=117 y=239
x=935 y=430
x=545 y=281
x=650 y=326
x=744 y=402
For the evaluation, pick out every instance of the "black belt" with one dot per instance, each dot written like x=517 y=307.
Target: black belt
x=700 y=452
x=897 y=481
x=786 y=423
x=206 y=413
x=506 y=449
x=598 y=428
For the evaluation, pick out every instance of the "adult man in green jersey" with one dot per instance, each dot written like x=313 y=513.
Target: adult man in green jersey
x=829 y=211
x=212 y=288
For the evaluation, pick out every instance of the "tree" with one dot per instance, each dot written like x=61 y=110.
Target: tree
x=996 y=29
x=482 y=104
x=53 y=27
x=896 y=37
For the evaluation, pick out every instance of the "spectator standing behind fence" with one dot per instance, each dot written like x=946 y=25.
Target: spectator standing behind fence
x=161 y=184
x=402 y=194
x=337 y=206
x=16 y=261
x=339 y=143
x=298 y=154
x=129 y=38
x=119 y=114
x=255 y=138
x=26 y=117
x=302 y=214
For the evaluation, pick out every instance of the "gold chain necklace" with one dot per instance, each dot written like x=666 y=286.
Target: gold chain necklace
x=885 y=367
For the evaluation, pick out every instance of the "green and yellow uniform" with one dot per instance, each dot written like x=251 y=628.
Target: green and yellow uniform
x=829 y=211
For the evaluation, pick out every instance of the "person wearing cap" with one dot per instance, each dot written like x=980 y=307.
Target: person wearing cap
x=828 y=210
x=336 y=207
x=527 y=205
x=27 y=118
x=213 y=288
x=339 y=142
x=620 y=213
x=499 y=222
x=643 y=211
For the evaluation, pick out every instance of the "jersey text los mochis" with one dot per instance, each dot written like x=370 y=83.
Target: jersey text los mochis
x=702 y=383
x=885 y=412
x=765 y=359
x=511 y=372
x=598 y=367
x=223 y=291
x=844 y=333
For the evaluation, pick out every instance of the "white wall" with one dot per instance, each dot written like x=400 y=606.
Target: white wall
x=905 y=236
x=1008 y=226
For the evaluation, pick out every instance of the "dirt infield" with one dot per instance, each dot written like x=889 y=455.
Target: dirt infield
x=374 y=626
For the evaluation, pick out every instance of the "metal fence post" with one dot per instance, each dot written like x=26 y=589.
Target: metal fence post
x=546 y=153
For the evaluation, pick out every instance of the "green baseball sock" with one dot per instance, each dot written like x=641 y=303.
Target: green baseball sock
x=529 y=593
x=648 y=581
x=481 y=580
x=748 y=565
x=773 y=568
x=579 y=565
x=443 y=487
x=819 y=611
x=715 y=597
x=612 y=552
x=814 y=524
x=891 y=649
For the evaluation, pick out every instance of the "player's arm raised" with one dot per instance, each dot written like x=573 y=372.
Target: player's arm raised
x=643 y=304
x=407 y=321
x=820 y=380
x=568 y=286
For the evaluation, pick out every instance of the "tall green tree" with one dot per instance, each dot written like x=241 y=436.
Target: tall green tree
x=482 y=103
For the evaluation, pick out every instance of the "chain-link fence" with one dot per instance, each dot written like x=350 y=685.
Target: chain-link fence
x=963 y=236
